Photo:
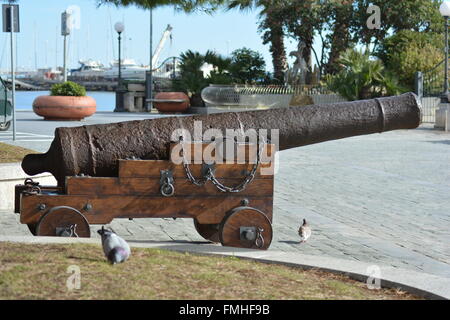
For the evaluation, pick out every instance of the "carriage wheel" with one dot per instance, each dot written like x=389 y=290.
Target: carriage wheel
x=246 y=227
x=63 y=222
x=208 y=231
x=32 y=228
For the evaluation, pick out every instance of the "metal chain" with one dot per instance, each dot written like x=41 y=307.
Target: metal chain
x=32 y=187
x=209 y=175
x=190 y=176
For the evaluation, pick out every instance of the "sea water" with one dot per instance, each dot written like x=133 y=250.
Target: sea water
x=105 y=100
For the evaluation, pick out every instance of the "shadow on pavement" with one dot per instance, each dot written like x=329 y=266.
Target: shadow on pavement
x=440 y=142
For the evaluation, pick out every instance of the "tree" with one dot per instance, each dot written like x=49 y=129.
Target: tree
x=271 y=27
x=404 y=52
x=247 y=66
x=414 y=15
x=302 y=18
x=191 y=79
x=221 y=73
x=330 y=20
x=184 y=5
x=340 y=37
x=341 y=24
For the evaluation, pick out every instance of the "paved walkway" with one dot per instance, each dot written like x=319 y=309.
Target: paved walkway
x=382 y=199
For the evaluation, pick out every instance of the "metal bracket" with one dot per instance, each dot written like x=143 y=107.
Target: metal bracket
x=247 y=233
x=69 y=231
x=167 y=189
x=166 y=176
x=206 y=167
x=253 y=234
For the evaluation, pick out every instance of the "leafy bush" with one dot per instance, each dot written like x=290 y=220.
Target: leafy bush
x=191 y=79
x=68 y=88
x=408 y=51
x=362 y=77
x=415 y=59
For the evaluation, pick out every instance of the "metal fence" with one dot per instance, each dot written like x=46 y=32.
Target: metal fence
x=429 y=87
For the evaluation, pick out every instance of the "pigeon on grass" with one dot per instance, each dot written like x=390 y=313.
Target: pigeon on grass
x=115 y=248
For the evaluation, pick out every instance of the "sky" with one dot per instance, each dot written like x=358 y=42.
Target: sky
x=40 y=44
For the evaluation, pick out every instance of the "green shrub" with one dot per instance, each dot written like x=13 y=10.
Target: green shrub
x=362 y=77
x=68 y=88
x=407 y=52
x=191 y=79
x=413 y=59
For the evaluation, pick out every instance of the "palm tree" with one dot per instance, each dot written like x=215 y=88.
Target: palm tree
x=340 y=40
x=191 y=76
x=361 y=77
x=185 y=5
x=272 y=25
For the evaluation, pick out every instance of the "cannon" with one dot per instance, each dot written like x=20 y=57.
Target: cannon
x=128 y=169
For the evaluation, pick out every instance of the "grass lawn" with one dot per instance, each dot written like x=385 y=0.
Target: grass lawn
x=10 y=153
x=41 y=272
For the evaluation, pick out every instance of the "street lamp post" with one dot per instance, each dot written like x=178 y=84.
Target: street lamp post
x=11 y=25
x=149 y=73
x=65 y=31
x=119 y=27
x=445 y=12
x=442 y=114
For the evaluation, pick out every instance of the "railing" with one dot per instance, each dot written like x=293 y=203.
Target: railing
x=429 y=86
x=433 y=80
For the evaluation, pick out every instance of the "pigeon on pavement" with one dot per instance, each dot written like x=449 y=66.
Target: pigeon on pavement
x=304 y=232
x=115 y=248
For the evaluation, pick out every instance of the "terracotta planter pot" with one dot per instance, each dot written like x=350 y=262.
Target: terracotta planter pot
x=171 y=101
x=64 y=107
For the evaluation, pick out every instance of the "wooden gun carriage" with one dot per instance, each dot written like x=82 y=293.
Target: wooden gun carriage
x=230 y=203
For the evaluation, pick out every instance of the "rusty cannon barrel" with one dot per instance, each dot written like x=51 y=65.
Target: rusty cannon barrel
x=95 y=149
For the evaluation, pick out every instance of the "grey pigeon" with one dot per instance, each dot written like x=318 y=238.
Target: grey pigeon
x=304 y=232
x=115 y=248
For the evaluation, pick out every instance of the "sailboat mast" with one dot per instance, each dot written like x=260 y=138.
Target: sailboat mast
x=35 y=47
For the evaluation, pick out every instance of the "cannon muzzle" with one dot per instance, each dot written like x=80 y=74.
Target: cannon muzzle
x=95 y=149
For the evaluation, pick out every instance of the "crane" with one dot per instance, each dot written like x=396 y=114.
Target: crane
x=160 y=46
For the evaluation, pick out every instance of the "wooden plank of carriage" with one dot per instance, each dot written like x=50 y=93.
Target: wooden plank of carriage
x=152 y=168
x=151 y=186
x=207 y=210
x=201 y=151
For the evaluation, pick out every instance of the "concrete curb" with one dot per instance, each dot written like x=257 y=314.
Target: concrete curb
x=421 y=284
x=12 y=174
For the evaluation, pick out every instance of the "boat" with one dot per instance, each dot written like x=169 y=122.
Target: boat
x=88 y=68
x=130 y=70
